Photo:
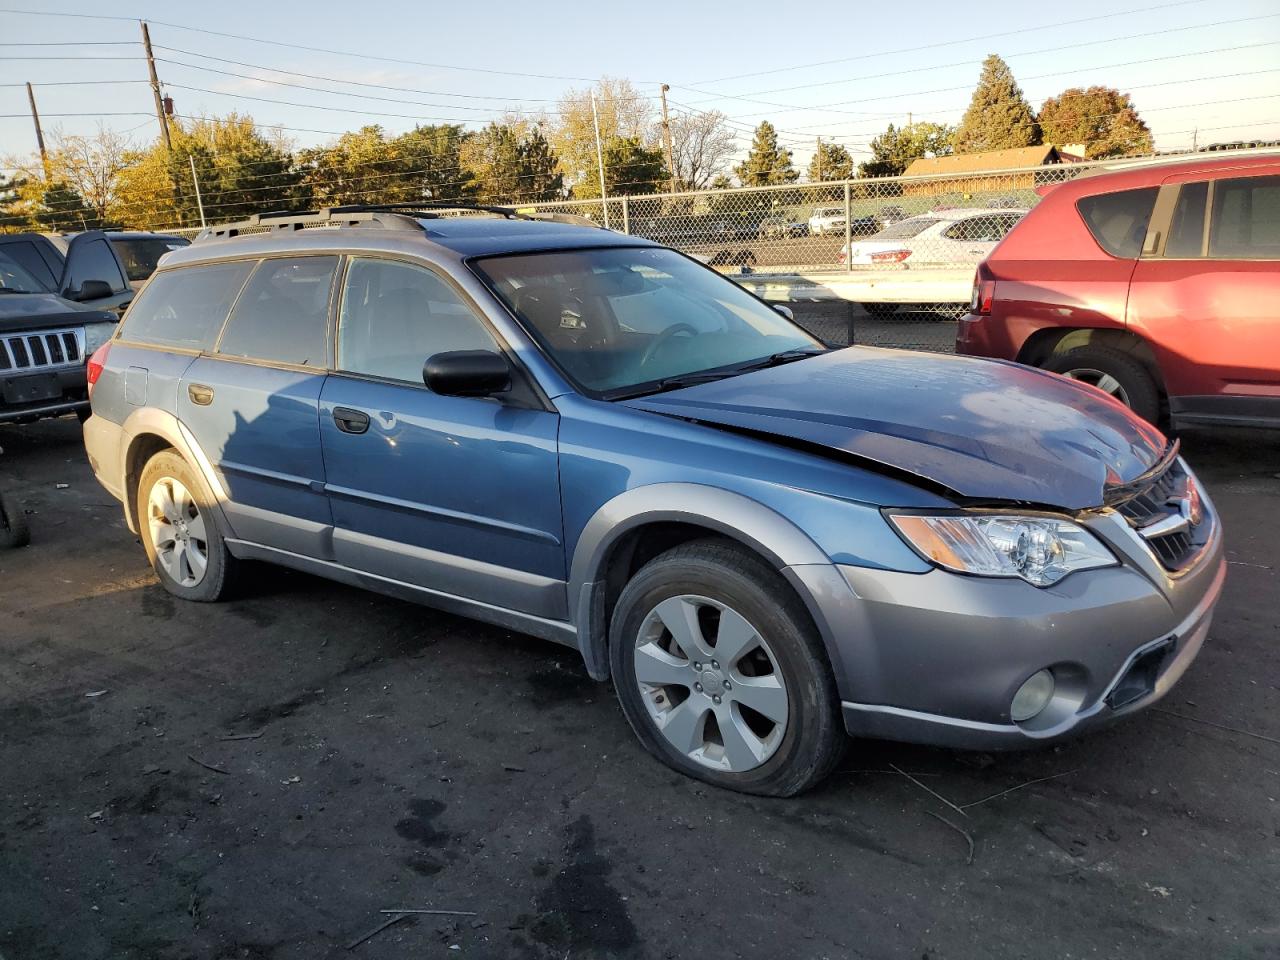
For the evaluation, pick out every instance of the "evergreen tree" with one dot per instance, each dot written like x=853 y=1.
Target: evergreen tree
x=540 y=177
x=63 y=210
x=767 y=164
x=999 y=116
x=1101 y=118
x=893 y=151
x=493 y=160
x=431 y=158
x=13 y=216
x=830 y=161
x=629 y=167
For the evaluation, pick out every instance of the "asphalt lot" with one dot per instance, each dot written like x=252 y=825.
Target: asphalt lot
x=391 y=757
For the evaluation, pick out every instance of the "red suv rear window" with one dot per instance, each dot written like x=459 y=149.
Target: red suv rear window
x=1118 y=221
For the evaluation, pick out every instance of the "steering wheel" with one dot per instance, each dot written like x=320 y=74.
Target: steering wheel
x=661 y=340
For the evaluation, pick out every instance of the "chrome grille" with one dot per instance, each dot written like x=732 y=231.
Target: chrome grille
x=40 y=350
x=1156 y=510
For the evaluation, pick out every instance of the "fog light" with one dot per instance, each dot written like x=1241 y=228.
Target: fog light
x=1032 y=697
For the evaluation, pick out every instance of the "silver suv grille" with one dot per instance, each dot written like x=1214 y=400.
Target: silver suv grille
x=1166 y=512
x=41 y=350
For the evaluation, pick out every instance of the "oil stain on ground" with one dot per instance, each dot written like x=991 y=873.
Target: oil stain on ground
x=580 y=910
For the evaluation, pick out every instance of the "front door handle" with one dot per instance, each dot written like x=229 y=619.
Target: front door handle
x=200 y=395
x=350 y=421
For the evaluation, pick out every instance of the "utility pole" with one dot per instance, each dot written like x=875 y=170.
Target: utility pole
x=196 y=181
x=818 y=158
x=666 y=138
x=908 y=118
x=35 y=118
x=604 y=194
x=155 y=87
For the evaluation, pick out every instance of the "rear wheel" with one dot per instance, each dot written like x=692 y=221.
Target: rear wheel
x=181 y=539
x=1113 y=372
x=13 y=526
x=721 y=674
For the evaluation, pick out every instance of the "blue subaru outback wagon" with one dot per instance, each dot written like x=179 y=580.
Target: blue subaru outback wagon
x=764 y=543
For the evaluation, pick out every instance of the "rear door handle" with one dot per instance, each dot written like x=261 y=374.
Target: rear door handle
x=350 y=421
x=200 y=395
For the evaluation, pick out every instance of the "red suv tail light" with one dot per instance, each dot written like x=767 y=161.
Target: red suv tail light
x=984 y=293
x=93 y=369
x=890 y=256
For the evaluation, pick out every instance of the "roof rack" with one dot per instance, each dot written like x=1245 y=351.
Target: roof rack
x=390 y=216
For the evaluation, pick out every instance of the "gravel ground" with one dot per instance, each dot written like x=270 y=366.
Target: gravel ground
x=259 y=778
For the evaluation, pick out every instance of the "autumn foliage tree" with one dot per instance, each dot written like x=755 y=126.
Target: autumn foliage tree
x=1101 y=118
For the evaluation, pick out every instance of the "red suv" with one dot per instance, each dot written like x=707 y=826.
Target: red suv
x=1158 y=283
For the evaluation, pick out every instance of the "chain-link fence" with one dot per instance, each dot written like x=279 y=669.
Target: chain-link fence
x=886 y=223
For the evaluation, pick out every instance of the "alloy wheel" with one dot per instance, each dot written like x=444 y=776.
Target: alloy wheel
x=177 y=532
x=711 y=683
x=1103 y=381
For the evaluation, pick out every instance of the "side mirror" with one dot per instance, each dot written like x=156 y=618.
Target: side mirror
x=467 y=373
x=91 y=290
x=785 y=311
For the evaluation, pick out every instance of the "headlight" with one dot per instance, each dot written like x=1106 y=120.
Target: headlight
x=95 y=335
x=1040 y=550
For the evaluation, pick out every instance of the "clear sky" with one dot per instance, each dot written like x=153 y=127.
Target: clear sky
x=1205 y=68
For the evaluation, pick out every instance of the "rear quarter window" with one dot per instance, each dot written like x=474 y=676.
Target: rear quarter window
x=1246 y=219
x=185 y=308
x=1118 y=221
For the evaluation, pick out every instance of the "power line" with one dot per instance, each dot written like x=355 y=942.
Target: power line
x=949 y=43
x=1024 y=53
x=310 y=49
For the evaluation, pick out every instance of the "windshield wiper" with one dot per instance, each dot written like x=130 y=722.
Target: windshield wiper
x=707 y=376
x=777 y=359
x=12 y=290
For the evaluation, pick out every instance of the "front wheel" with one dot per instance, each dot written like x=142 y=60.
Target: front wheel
x=181 y=539
x=721 y=673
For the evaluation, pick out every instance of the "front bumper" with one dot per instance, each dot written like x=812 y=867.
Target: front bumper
x=49 y=392
x=948 y=652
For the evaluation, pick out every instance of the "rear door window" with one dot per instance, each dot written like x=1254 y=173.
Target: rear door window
x=1118 y=221
x=283 y=314
x=185 y=308
x=1246 y=219
x=1186 y=229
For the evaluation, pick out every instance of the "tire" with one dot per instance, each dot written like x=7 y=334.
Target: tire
x=1116 y=373
x=174 y=548
x=13 y=526
x=779 y=659
x=880 y=309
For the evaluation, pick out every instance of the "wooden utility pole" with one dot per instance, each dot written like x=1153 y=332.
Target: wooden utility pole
x=666 y=139
x=35 y=118
x=817 y=156
x=155 y=87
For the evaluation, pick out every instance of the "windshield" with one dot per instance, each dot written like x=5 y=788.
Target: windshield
x=141 y=254
x=905 y=229
x=621 y=321
x=14 y=278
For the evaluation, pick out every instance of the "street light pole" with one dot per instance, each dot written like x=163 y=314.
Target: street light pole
x=666 y=138
x=604 y=194
x=196 y=181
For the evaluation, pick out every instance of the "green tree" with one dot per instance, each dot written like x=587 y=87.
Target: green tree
x=830 y=161
x=767 y=163
x=492 y=158
x=430 y=159
x=893 y=151
x=361 y=166
x=629 y=167
x=1102 y=118
x=999 y=116
x=13 y=209
x=540 y=176
x=63 y=210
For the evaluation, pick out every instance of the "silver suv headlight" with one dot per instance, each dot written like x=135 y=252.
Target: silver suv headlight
x=1040 y=550
x=95 y=335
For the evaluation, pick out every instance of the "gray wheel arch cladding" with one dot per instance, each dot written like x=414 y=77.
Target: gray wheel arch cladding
x=790 y=551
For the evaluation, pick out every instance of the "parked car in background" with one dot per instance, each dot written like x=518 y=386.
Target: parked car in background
x=45 y=339
x=826 y=220
x=592 y=438
x=955 y=236
x=1158 y=283
x=778 y=227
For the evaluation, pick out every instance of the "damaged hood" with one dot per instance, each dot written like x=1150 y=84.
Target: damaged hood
x=982 y=429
